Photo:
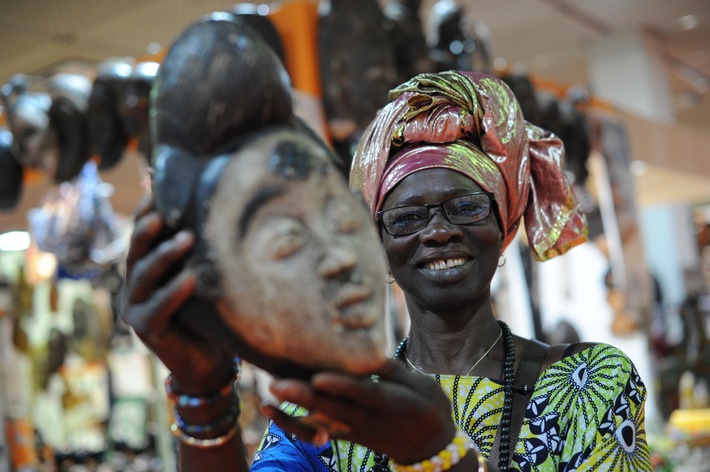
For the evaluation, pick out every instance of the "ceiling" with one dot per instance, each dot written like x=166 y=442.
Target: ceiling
x=553 y=39
x=549 y=38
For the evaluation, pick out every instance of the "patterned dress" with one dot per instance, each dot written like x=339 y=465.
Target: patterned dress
x=586 y=413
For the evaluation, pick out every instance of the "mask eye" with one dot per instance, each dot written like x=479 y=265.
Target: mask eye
x=286 y=239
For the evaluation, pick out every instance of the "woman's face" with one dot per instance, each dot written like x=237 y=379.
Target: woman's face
x=310 y=269
x=444 y=266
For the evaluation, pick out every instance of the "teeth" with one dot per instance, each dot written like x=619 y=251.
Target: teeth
x=445 y=264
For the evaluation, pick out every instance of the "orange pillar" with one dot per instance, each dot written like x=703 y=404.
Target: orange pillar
x=297 y=24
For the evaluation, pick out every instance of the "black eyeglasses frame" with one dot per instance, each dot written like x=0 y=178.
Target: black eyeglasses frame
x=429 y=207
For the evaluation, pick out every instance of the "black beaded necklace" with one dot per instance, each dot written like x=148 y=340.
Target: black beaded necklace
x=508 y=380
x=381 y=461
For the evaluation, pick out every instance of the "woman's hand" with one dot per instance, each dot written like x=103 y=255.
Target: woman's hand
x=404 y=415
x=153 y=294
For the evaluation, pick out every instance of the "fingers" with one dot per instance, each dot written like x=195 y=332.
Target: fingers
x=336 y=403
x=146 y=230
x=293 y=425
x=147 y=227
x=144 y=206
x=394 y=371
x=363 y=390
x=343 y=386
x=149 y=270
x=294 y=391
x=165 y=302
x=314 y=428
x=149 y=302
x=322 y=422
x=302 y=394
x=363 y=410
x=151 y=319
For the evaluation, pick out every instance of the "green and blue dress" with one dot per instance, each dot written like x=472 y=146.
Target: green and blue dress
x=586 y=413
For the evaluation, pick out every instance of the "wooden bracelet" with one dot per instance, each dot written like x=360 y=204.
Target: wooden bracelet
x=446 y=458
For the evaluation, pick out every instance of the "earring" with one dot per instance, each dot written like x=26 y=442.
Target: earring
x=501 y=260
x=388 y=278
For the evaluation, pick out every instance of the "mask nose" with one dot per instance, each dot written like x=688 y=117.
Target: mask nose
x=335 y=262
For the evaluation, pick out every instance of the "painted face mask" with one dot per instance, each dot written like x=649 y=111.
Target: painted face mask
x=302 y=269
x=289 y=265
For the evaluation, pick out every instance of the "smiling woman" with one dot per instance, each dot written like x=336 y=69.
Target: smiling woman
x=445 y=261
x=447 y=169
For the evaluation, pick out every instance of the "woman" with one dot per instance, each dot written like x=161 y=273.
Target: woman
x=448 y=169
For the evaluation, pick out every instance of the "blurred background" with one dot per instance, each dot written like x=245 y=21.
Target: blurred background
x=625 y=84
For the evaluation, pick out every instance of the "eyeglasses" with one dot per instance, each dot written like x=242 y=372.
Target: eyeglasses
x=463 y=210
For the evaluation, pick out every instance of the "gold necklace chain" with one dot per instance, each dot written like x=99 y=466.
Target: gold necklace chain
x=469 y=370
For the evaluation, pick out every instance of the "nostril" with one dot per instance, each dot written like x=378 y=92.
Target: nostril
x=337 y=262
x=346 y=276
x=356 y=277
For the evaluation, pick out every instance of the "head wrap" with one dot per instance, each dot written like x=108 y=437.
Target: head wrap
x=472 y=123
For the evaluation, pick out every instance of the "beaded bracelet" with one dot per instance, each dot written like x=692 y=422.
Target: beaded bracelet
x=229 y=416
x=184 y=400
x=445 y=459
x=203 y=443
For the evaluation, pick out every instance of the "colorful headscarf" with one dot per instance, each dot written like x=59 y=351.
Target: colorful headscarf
x=472 y=123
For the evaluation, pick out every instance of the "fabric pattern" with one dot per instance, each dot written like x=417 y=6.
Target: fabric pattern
x=586 y=413
x=474 y=124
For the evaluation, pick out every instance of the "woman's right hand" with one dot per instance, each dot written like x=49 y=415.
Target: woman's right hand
x=154 y=292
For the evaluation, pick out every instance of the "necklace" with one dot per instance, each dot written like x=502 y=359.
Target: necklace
x=508 y=380
x=488 y=351
x=506 y=417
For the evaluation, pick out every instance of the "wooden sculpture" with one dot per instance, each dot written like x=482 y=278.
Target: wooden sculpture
x=290 y=270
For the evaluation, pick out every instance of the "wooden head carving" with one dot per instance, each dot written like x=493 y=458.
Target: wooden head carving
x=302 y=269
x=49 y=127
x=290 y=269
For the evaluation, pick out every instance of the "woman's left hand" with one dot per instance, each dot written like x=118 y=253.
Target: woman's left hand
x=404 y=414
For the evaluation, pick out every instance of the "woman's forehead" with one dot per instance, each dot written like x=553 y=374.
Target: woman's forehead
x=435 y=180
